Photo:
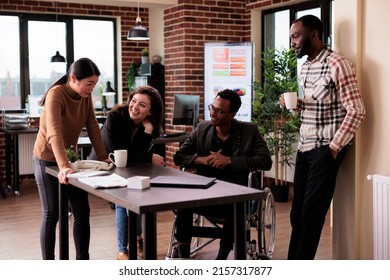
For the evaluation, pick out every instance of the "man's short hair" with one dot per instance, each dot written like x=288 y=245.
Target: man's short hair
x=235 y=99
x=312 y=23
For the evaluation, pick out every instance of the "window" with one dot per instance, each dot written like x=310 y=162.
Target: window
x=99 y=47
x=276 y=23
x=42 y=72
x=10 y=63
x=33 y=39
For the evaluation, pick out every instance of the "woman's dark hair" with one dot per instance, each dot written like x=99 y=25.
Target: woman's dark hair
x=81 y=68
x=156 y=107
x=235 y=99
x=312 y=23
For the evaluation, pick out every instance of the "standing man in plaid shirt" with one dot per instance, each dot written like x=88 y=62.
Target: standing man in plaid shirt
x=331 y=111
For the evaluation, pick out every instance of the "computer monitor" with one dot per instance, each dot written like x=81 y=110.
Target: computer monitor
x=186 y=109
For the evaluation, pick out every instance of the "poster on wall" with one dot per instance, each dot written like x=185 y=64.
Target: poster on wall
x=229 y=65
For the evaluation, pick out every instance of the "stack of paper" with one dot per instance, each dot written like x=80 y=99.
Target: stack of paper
x=88 y=173
x=103 y=182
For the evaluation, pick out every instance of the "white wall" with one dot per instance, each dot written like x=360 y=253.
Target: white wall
x=375 y=133
x=346 y=30
x=156 y=32
x=361 y=34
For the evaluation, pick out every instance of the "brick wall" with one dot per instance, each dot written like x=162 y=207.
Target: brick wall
x=187 y=27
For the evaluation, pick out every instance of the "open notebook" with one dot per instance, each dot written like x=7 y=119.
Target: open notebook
x=197 y=182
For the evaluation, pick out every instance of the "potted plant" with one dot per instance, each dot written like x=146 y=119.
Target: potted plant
x=132 y=72
x=73 y=157
x=278 y=125
x=145 y=55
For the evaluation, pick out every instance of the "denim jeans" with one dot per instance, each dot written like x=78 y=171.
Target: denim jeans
x=121 y=219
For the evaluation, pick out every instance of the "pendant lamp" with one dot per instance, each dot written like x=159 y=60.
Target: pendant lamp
x=57 y=57
x=138 y=33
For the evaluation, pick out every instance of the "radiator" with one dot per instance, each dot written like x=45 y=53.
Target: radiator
x=26 y=146
x=381 y=216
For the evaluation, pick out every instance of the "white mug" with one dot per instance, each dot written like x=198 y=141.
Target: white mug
x=291 y=100
x=120 y=158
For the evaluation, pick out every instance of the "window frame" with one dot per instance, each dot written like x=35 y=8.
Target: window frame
x=326 y=17
x=24 y=18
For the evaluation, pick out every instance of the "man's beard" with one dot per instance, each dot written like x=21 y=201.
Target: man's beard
x=305 y=48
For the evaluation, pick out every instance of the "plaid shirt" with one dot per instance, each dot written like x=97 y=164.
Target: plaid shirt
x=332 y=107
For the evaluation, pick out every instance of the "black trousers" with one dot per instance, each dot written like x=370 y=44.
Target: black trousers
x=78 y=201
x=314 y=184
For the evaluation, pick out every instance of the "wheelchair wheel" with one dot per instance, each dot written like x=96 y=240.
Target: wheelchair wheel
x=266 y=227
x=196 y=243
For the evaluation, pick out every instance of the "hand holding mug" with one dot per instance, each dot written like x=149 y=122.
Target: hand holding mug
x=290 y=100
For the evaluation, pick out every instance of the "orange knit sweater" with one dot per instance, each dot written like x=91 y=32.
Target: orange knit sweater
x=63 y=116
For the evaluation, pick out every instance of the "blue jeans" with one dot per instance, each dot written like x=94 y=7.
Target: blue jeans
x=121 y=219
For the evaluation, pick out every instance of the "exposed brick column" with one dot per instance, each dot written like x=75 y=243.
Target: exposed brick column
x=187 y=27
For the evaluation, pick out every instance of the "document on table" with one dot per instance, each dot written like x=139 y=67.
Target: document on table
x=104 y=182
x=88 y=173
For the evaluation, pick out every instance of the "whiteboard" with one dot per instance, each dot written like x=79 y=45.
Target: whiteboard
x=229 y=65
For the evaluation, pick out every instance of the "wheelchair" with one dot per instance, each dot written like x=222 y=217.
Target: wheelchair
x=259 y=226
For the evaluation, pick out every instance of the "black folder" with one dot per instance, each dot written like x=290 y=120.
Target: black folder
x=196 y=182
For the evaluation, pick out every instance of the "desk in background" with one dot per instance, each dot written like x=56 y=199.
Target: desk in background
x=13 y=134
x=150 y=201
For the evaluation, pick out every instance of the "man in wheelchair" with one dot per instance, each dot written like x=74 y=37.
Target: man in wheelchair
x=227 y=149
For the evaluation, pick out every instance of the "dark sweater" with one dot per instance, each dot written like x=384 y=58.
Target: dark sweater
x=117 y=135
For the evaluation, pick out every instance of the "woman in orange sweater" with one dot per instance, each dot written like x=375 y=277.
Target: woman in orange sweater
x=67 y=107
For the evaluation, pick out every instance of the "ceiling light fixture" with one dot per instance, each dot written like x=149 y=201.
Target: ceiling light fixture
x=57 y=57
x=138 y=33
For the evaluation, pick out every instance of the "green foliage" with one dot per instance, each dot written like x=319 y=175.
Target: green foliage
x=132 y=72
x=72 y=155
x=145 y=52
x=278 y=125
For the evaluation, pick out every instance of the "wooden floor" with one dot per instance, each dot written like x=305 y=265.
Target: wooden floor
x=21 y=215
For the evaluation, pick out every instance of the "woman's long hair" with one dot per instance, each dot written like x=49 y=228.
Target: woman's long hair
x=156 y=107
x=81 y=68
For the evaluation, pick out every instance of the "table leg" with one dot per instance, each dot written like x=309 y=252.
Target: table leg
x=132 y=226
x=239 y=231
x=8 y=177
x=63 y=221
x=150 y=238
x=3 y=194
x=16 y=164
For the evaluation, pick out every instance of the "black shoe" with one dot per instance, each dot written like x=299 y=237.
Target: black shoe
x=183 y=251
x=223 y=253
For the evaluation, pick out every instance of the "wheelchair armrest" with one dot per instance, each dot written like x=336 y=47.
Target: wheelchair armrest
x=250 y=176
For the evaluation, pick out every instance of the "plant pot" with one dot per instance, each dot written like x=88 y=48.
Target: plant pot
x=280 y=192
x=74 y=166
x=144 y=59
